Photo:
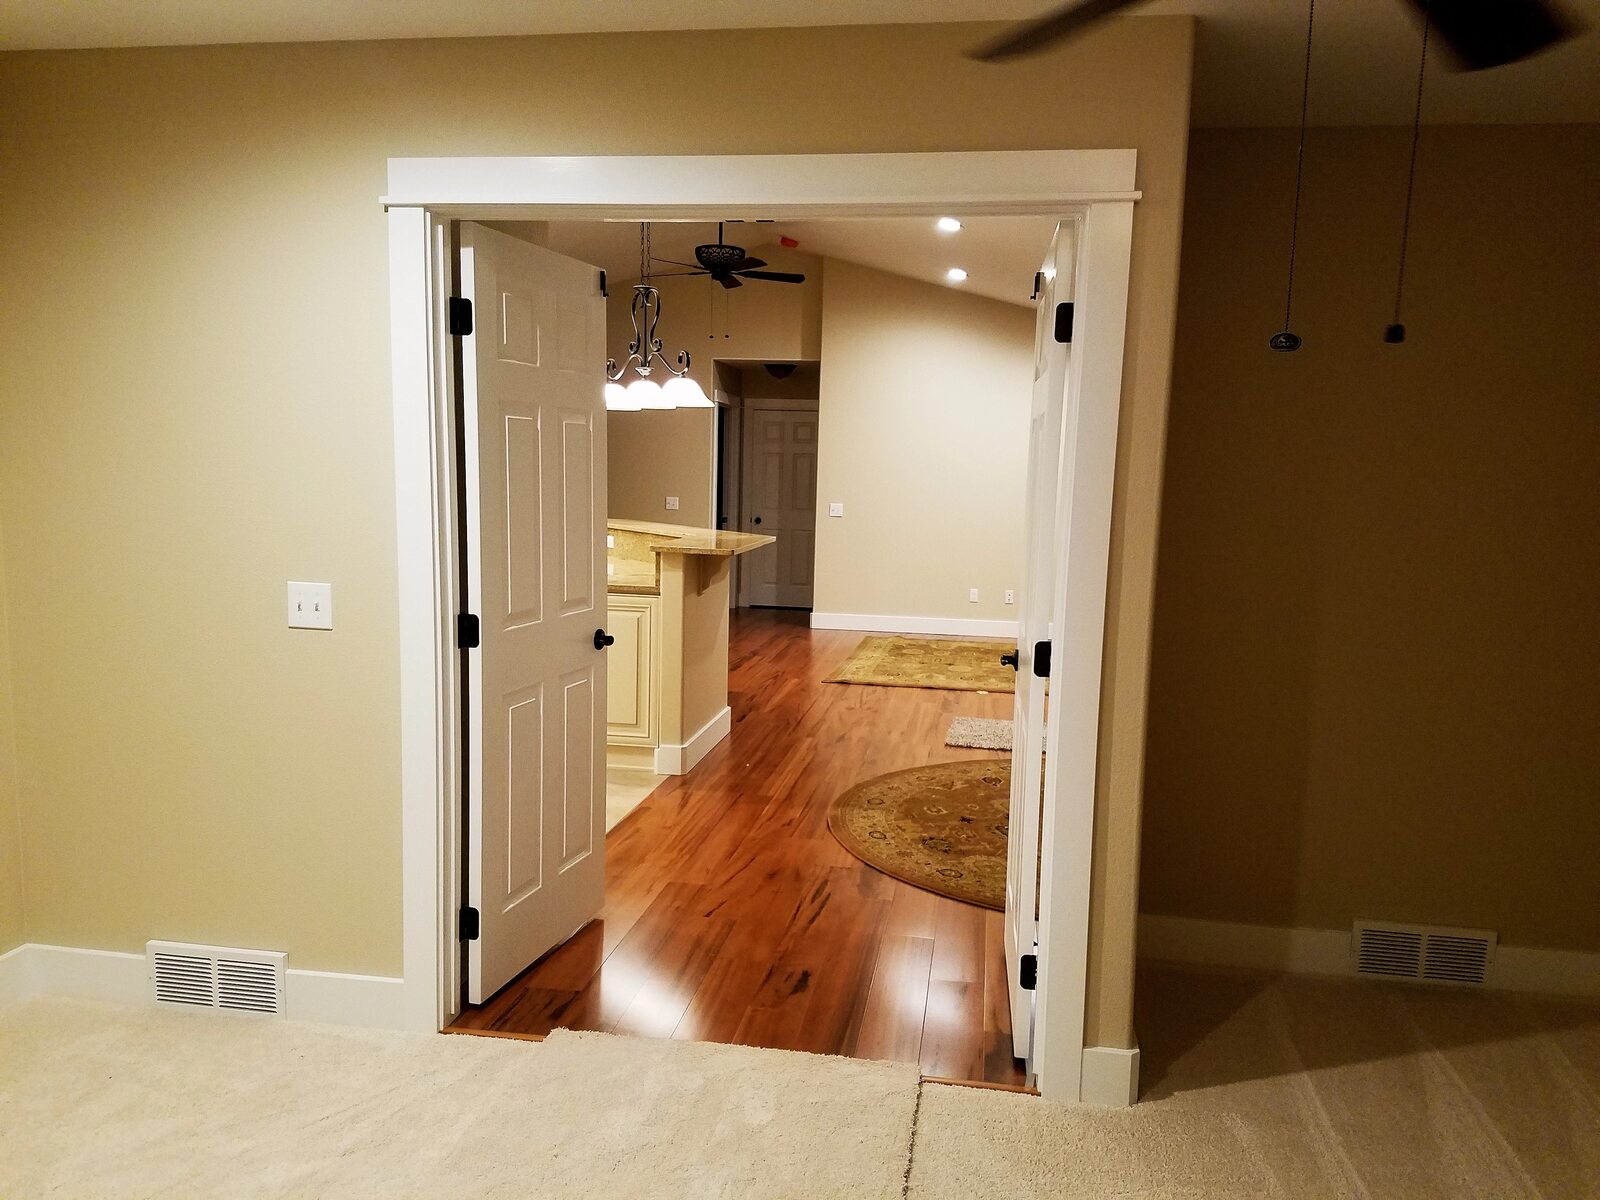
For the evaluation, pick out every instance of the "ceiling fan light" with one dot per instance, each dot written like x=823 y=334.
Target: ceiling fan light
x=956 y=275
x=618 y=400
x=683 y=392
x=648 y=394
x=948 y=225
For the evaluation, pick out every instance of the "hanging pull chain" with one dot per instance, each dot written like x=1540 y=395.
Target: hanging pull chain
x=1285 y=340
x=1395 y=332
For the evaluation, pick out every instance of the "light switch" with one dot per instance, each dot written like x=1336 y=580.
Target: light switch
x=611 y=541
x=835 y=509
x=672 y=504
x=310 y=605
x=972 y=595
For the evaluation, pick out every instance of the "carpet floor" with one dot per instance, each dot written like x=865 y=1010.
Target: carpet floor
x=1255 y=1086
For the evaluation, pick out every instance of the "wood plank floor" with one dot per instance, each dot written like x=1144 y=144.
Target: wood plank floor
x=732 y=915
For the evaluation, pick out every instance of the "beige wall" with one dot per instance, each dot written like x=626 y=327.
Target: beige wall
x=653 y=455
x=1376 y=681
x=923 y=435
x=13 y=925
x=194 y=381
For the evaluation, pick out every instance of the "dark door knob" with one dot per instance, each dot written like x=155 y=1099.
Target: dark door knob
x=758 y=520
x=1009 y=660
x=602 y=639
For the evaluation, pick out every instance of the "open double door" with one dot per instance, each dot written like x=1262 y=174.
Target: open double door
x=534 y=512
x=1043 y=566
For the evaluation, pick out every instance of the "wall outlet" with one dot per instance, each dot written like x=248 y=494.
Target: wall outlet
x=835 y=509
x=1011 y=596
x=972 y=595
x=672 y=504
x=310 y=605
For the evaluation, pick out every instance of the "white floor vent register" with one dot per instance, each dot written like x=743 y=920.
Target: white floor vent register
x=222 y=977
x=1431 y=953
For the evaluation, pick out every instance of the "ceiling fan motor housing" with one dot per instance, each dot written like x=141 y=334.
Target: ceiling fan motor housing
x=719 y=257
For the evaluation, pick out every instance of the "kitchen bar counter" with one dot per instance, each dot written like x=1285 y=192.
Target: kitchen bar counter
x=667 y=673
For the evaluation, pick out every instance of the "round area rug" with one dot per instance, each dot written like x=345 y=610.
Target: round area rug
x=939 y=827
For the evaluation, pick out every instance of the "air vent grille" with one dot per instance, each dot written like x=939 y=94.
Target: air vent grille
x=1431 y=953
x=216 y=977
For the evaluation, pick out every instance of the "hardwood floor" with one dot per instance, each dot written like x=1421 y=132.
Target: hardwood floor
x=732 y=915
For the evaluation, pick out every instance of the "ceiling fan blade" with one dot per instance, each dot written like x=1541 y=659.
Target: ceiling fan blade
x=748 y=264
x=1030 y=37
x=775 y=276
x=1491 y=33
x=728 y=281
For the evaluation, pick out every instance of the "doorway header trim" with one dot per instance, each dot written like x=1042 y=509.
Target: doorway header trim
x=709 y=187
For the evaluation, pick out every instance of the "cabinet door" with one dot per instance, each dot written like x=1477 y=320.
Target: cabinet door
x=630 y=684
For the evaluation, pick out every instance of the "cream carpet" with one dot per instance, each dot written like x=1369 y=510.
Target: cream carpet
x=1255 y=1086
x=1304 y=1089
x=979 y=733
x=105 y=1102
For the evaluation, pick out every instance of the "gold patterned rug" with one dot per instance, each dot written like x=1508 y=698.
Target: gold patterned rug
x=947 y=663
x=940 y=827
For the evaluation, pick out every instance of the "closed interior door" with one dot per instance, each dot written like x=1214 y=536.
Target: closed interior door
x=534 y=460
x=780 y=499
x=1035 y=604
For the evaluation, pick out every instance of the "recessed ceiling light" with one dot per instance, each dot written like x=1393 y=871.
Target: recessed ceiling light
x=949 y=225
x=955 y=275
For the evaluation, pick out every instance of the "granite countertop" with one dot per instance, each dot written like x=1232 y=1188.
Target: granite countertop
x=634 y=550
x=686 y=539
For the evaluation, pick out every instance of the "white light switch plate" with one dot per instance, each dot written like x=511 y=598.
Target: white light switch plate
x=672 y=504
x=835 y=509
x=972 y=595
x=310 y=605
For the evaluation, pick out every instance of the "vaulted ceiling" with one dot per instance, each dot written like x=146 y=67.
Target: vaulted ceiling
x=1247 y=63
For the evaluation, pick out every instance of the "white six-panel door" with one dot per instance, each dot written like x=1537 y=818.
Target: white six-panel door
x=534 y=454
x=780 y=498
x=1042 y=548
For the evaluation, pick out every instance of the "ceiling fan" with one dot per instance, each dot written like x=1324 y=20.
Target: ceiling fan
x=728 y=265
x=1480 y=33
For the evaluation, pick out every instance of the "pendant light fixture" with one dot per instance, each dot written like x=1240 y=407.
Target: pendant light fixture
x=1286 y=340
x=1395 y=332
x=645 y=355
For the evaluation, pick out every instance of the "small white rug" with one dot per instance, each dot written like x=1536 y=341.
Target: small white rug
x=106 y=1101
x=981 y=733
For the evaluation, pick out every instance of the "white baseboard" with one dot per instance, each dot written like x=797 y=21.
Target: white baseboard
x=882 y=623
x=1110 y=1076
x=1328 y=952
x=680 y=760
x=331 y=997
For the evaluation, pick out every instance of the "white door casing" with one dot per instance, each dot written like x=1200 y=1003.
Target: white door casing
x=534 y=462
x=779 y=498
x=425 y=195
x=1041 y=550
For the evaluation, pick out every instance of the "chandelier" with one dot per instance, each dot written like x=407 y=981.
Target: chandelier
x=645 y=355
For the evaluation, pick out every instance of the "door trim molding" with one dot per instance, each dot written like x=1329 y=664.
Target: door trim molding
x=425 y=194
x=1110 y=1076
